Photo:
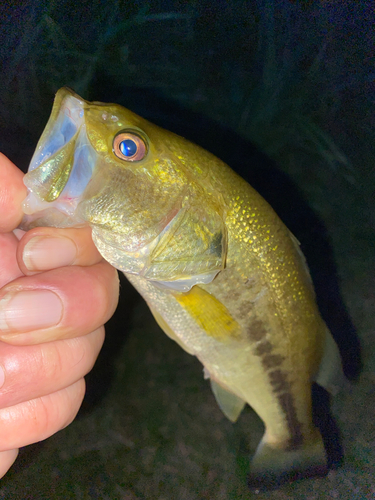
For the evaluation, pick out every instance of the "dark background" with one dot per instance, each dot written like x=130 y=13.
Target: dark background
x=283 y=92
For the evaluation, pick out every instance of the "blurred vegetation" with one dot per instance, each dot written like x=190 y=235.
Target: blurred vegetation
x=276 y=71
x=296 y=78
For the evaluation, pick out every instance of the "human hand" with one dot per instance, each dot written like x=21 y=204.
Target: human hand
x=56 y=292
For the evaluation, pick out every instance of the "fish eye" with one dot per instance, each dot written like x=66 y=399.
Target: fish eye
x=129 y=146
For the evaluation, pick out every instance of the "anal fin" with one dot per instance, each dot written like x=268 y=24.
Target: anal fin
x=230 y=404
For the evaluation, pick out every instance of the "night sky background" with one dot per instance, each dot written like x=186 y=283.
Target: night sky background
x=282 y=91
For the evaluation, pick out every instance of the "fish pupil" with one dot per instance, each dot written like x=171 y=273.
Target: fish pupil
x=128 y=147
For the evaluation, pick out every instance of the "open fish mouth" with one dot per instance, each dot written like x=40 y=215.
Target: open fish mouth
x=61 y=166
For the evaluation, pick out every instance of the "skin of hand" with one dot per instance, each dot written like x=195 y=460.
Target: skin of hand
x=56 y=293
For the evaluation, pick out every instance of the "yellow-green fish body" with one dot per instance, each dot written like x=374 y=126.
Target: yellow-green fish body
x=221 y=273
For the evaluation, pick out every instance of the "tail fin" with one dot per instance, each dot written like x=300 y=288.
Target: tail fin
x=273 y=466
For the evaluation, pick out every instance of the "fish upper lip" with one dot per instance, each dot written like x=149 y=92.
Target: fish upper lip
x=67 y=117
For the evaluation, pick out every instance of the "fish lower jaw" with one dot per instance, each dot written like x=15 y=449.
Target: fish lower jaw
x=61 y=213
x=49 y=217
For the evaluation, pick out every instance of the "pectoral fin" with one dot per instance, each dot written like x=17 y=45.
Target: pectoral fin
x=230 y=404
x=210 y=314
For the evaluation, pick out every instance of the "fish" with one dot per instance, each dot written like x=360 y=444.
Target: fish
x=220 y=272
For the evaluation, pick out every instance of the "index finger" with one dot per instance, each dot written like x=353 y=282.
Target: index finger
x=12 y=193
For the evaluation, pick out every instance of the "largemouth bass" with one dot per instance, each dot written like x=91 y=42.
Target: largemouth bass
x=220 y=272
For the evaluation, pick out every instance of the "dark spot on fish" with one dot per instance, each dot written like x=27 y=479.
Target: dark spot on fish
x=279 y=381
x=282 y=390
x=264 y=347
x=272 y=360
x=216 y=246
x=264 y=350
x=295 y=427
x=244 y=309
x=256 y=330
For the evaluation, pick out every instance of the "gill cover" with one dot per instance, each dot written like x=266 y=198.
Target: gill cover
x=101 y=165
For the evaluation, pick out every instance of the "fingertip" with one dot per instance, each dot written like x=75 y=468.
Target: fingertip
x=12 y=193
x=7 y=459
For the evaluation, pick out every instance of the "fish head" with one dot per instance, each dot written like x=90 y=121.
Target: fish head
x=140 y=188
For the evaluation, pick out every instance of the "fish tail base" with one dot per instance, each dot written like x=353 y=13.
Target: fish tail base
x=271 y=467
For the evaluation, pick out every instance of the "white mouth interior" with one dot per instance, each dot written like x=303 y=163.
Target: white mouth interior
x=69 y=125
x=70 y=119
